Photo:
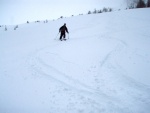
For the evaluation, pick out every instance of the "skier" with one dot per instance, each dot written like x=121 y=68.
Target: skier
x=63 y=29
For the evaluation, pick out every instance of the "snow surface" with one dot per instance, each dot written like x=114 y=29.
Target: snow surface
x=104 y=67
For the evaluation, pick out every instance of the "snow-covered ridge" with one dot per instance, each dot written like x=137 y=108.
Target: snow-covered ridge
x=102 y=68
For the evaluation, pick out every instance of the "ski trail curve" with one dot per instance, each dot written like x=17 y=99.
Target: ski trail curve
x=114 y=80
x=39 y=66
x=110 y=74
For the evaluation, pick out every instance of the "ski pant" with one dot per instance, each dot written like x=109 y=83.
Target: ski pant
x=62 y=35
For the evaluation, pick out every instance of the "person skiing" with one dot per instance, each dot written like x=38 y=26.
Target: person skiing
x=63 y=29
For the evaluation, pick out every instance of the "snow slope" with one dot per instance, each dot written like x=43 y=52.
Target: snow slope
x=104 y=67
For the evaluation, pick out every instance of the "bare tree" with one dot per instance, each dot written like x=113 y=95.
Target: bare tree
x=148 y=3
x=15 y=27
x=110 y=9
x=131 y=3
x=95 y=11
x=89 y=12
x=105 y=9
x=100 y=11
x=5 y=28
x=141 y=4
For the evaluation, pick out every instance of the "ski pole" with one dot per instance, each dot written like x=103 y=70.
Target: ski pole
x=68 y=35
x=56 y=36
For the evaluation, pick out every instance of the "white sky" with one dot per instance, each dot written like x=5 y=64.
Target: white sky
x=21 y=11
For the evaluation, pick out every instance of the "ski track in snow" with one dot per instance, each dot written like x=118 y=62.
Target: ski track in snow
x=133 y=89
x=47 y=70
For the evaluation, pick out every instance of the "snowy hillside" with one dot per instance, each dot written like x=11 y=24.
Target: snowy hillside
x=104 y=67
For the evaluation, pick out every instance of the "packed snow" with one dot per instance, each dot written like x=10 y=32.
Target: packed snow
x=103 y=67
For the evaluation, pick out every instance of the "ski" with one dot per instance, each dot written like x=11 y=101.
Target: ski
x=63 y=39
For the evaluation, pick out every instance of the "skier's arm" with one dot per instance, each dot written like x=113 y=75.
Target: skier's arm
x=67 y=30
x=60 y=29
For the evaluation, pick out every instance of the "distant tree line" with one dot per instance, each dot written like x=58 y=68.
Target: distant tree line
x=100 y=11
x=139 y=4
x=16 y=26
x=134 y=4
x=148 y=3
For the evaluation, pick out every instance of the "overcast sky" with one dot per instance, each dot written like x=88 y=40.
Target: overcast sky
x=21 y=11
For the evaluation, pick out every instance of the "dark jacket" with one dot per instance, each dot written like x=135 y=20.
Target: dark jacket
x=63 y=29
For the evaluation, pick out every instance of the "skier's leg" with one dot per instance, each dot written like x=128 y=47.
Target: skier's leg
x=61 y=36
x=64 y=35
